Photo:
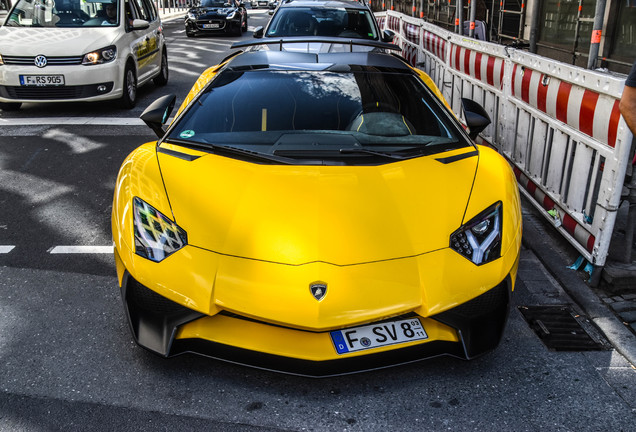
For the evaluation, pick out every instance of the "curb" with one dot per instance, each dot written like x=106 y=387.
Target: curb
x=621 y=337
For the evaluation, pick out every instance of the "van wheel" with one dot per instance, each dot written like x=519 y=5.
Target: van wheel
x=162 y=78
x=10 y=106
x=129 y=98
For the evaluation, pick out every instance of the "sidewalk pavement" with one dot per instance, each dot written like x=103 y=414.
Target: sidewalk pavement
x=612 y=309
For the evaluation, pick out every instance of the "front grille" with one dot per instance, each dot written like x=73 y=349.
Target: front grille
x=53 y=92
x=51 y=61
x=242 y=317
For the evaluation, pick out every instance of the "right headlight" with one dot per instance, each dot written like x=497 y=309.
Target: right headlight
x=479 y=240
x=156 y=236
x=100 y=56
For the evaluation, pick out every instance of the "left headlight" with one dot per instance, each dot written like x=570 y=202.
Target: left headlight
x=231 y=15
x=100 y=56
x=156 y=236
x=479 y=240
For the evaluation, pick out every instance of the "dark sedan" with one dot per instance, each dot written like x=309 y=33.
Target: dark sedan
x=214 y=16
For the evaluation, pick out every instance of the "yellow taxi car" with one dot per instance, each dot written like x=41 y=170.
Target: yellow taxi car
x=315 y=214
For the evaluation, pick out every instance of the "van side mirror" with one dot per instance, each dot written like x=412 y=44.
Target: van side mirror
x=387 y=36
x=477 y=119
x=258 y=32
x=139 y=24
x=158 y=112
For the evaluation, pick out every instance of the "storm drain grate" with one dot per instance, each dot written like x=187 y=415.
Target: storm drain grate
x=562 y=329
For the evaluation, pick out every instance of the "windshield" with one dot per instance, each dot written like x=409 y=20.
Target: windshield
x=64 y=13
x=215 y=3
x=318 y=113
x=335 y=22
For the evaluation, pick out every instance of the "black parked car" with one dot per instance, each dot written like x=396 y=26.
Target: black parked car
x=213 y=16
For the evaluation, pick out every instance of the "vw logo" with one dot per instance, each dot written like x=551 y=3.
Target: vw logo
x=40 y=61
x=318 y=290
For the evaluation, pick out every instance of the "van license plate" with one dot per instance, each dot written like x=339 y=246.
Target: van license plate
x=42 y=80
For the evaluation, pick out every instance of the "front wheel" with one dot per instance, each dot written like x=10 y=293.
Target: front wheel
x=129 y=98
x=162 y=78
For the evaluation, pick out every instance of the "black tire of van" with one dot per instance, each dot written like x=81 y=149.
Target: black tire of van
x=129 y=96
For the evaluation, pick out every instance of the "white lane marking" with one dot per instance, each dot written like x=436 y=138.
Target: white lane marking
x=6 y=249
x=81 y=250
x=61 y=121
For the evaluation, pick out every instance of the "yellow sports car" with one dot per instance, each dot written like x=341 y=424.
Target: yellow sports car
x=316 y=214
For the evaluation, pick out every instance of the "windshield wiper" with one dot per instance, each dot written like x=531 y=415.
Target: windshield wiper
x=356 y=150
x=232 y=150
x=405 y=153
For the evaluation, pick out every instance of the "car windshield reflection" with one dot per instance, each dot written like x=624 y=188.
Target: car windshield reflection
x=319 y=113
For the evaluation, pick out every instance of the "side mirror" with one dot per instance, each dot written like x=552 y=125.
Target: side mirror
x=387 y=36
x=140 y=24
x=477 y=119
x=158 y=112
x=258 y=32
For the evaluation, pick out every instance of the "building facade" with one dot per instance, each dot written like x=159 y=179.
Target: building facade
x=585 y=33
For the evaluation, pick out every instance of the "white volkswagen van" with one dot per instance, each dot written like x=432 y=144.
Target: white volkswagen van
x=80 y=50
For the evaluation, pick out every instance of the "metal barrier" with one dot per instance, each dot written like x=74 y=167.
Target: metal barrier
x=558 y=125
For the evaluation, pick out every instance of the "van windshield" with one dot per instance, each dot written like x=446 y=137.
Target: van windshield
x=64 y=13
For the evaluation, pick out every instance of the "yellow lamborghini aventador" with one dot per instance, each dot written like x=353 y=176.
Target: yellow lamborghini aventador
x=316 y=214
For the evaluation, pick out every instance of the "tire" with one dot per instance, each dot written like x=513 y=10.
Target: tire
x=190 y=34
x=162 y=79
x=10 y=106
x=238 y=30
x=129 y=98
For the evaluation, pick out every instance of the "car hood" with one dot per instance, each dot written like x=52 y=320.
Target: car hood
x=55 y=41
x=336 y=214
x=212 y=11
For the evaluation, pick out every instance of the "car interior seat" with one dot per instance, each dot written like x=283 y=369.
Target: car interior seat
x=302 y=24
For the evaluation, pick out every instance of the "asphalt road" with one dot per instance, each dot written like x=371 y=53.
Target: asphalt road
x=69 y=362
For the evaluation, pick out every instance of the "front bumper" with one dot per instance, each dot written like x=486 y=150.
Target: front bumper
x=221 y=25
x=168 y=329
x=81 y=83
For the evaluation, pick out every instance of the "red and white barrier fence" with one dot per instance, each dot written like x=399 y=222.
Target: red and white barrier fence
x=557 y=124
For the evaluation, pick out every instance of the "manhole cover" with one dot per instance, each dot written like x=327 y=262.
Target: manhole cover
x=562 y=329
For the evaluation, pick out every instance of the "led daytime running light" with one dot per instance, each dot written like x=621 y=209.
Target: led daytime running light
x=480 y=239
x=156 y=236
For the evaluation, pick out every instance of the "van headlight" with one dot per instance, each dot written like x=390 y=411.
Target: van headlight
x=100 y=56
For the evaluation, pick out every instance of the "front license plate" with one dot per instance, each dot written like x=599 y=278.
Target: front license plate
x=377 y=335
x=212 y=26
x=42 y=80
